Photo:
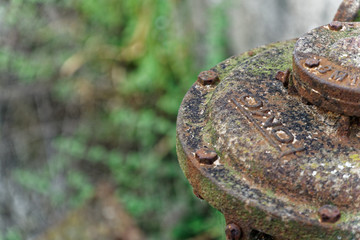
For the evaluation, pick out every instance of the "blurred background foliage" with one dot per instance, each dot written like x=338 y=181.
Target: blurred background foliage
x=89 y=92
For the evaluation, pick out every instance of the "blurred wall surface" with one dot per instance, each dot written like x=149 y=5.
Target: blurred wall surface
x=257 y=22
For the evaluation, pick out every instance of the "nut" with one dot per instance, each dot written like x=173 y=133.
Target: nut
x=206 y=156
x=233 y=232
x=197 y=195
x=329 y=214
x=312 y=62
x=208 y=77
x=283 y=76
x=335 y=25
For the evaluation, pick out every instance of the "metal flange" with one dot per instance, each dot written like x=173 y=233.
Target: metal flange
x=327 y=67
x=272 y=163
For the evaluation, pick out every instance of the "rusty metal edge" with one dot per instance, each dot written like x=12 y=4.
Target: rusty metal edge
x=236 y=208
x=347 y=11
x=324 y=94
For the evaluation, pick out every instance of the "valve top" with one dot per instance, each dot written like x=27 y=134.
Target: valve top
x=326 y=64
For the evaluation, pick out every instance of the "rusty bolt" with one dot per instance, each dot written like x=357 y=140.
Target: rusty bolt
x=312 y=62
x=233 y=232
x=251 y=53
x=208 y=77
x=335 y=25
x=329 y=214
x=197 y=195
x=283 y=76
x=206 y=156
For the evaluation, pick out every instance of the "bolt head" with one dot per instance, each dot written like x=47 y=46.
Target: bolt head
x=335 y=26
x=312 y=62
x=329 y=214
x=206 y=156
x=233 y=232
x=208 y=77
x=197 y=195
x=283 y=76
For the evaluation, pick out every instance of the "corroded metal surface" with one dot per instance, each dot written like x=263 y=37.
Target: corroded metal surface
x=279 y=161
x=347 y=11
x=327 y=67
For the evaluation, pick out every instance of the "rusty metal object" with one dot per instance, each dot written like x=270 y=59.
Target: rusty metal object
x=233 y=232
x=283 y=76
x=282 y=136
x=312 y=62
x=335 y=26
x=348 y=11
x=329 y=214
x=278 y=160
x=208 y=77
x=197 y=195
x=332 y=80
x=206 y=156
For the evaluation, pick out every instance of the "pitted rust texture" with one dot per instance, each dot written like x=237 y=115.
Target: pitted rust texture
x=279 y=143
x=233 y=232
x=279 y=160
x=335 y=26
x=208 y=77
x=206 y=156
x=348 y=11
x=332 y=80
x=283 y=76
x=329 y=214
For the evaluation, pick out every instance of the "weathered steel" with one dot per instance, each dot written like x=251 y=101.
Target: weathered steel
x=208 y=78
x=327 y=67
x=281 y=168
x=329 y=214
x=256 y=139
x=348 y=11
x=233 y=232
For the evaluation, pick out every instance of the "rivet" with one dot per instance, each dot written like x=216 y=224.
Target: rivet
x=329 y=214
x=283 y=76
x=197 y=195
x=233 y=232
x=312 y=62
x=206 y=156
x=208 y=77
x=335 y=25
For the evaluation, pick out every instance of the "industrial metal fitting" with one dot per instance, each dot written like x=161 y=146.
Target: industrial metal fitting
x=275 y=145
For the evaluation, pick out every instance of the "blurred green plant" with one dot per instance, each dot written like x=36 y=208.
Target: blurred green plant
x=11 y=234
x=126 y=66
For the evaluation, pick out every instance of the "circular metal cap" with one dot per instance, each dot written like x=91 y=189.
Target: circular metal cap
x=326 y=66
x=265 y=159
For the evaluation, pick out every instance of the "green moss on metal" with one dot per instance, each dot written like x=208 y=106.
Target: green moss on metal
x=219 y=199
x=181 y=156
x=218 y=192
x=283 y=62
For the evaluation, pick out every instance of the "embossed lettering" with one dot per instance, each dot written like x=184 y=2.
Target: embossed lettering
x=260 y=112
x=278 y=132
x=324 y=69
x=251 y=101
x=270 y=122
x=292 y=150
x=354 y=79
x=285 y=137
x=338 y=75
